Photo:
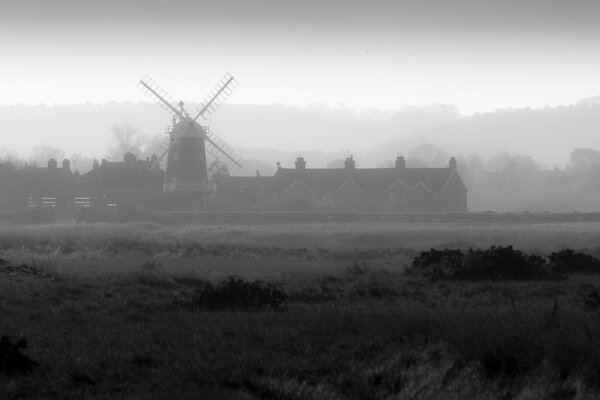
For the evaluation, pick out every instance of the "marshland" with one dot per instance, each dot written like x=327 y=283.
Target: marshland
x=380 y=308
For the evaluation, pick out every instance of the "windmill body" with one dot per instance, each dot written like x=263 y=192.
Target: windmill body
x=185 y=150
x=186 y=169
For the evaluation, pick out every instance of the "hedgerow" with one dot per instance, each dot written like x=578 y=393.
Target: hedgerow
x=500 y=263
x=236 y=293
x=569 y=261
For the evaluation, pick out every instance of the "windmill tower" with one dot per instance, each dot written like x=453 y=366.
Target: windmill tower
x=188 y=142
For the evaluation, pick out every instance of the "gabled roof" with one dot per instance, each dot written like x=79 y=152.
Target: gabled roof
x=351 y=183
x=368 y=179
x=301 y=184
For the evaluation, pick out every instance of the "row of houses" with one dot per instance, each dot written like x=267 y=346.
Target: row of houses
x=349 y=189
x=130 y=181
x=133 y=182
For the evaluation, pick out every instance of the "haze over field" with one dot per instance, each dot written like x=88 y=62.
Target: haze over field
x=321 y=134
x=374 y=79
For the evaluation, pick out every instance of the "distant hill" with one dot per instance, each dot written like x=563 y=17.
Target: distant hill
x=548 y=135
x=278 y=133
x=252 y=129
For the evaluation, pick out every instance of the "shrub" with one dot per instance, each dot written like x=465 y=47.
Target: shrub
x=235 y=293
x=438 y=264
x=502 y=263
x=495 y=263
x=12 y=360
x=569 y=261
x=21 y=270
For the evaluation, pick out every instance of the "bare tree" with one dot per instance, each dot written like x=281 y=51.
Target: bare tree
x=427 y=155
x=11 y=156
x=584 y=160
x=126 y=138
x=41 y=154
x=218 y=170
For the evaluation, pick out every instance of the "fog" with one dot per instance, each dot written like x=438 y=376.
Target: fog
x=321 y=134
x=494 y=84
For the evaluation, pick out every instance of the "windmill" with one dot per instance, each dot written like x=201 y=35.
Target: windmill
x=188 y=142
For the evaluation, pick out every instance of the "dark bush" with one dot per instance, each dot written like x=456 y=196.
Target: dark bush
x=235 y=293
x=502 y=263
x=495 y=263
x=510 y=361
x=12 y=360
x=21 y=270
x=569 y=261
x=438 y=264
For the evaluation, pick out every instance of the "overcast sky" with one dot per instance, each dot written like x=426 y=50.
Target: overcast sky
x=479 y=55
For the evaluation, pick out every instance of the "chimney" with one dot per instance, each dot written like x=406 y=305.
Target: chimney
x=349 y=163
x=300 y=163
x=52 y=163
x=66 y=164
x=400 y=162
x=452 y=163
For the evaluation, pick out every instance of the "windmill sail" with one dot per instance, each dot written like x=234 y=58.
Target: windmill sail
x=222 y=151
x=184 y=152
x=161 y=151
x=216 y=96
x=160 y=96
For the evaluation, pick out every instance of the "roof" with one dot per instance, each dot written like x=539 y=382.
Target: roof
x=248 y=180
x=42 y=179
x=124 y=175
x=370 y=179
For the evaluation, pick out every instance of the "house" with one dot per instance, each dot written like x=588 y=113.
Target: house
x=351 y=189
x=133 y=182
x=240 y=193
x=33 y=186
x=128 y=182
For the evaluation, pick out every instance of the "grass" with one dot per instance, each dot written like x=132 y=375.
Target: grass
x=106 y=313
x=109 y=339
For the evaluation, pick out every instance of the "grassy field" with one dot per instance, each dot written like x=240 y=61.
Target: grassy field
x=113 y=311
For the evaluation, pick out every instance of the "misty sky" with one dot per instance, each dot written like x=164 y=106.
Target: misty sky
x=479 y=55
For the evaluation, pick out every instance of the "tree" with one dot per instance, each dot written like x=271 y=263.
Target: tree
x=584 y=160
x=151 y=145
x=41 y=154
x=427 y=155
x=11 y=156
x=126 y=138
x=513 y=167
x=218 y=170
x=81 y=163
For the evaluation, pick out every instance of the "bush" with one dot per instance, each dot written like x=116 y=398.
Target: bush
x=502 y=263
x=12 y=360
x=495 y=263
x=21 y=270
x=438 y=264
x=235 y=293
x=569 y=261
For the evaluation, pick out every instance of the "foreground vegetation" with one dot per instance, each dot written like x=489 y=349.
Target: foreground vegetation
x=145 y=311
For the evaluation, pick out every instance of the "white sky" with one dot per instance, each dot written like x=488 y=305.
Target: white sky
x=479 y=55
